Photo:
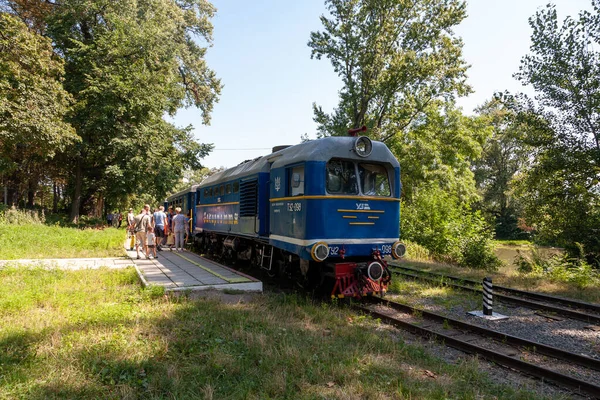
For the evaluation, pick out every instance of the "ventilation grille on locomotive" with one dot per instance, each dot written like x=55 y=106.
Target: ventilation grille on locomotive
x=248 y=198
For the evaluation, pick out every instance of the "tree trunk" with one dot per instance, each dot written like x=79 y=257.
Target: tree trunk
x=75 y=204
x=12 y=196
x=99 y=207
x=54 y=198
x=31 y=192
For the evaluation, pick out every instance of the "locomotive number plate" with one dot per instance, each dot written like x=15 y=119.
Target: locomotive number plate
x=294 y=206
x=386 y=249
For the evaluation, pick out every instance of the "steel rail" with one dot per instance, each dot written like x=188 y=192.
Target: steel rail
x=532 y=295
x=499 y=358
x=513 y=300
x=535 y=347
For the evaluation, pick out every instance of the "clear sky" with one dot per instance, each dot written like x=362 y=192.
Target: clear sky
x=260 y=53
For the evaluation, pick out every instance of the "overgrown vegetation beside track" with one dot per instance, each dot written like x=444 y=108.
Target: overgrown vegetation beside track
x=524 y=266
x=97 y=334
x=581 y=283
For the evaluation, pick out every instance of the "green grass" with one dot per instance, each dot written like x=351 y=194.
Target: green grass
x=96 y=334
x=513 y=242
x=508 y=276
x=409 y=291
x=43 y=241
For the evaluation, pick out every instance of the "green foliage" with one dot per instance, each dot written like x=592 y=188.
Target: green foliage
x=560 y=191
x=129 y=63
x=438 y=186
x=439 y=149
x=154 y=292
x=505 y=154
x=13 y=216
x=416 y=252
x=33 y=106
x=512 y=242
x=559 y=268
x=401 y=67
x=96 y=334
x=394 y=58
x=453 y=233
x=193 y=177
x=32 y=101
x=30 y=240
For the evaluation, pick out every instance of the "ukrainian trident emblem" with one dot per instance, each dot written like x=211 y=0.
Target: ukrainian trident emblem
x=277 y=184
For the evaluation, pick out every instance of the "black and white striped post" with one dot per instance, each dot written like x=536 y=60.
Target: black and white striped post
x=487 y=296
x=487 y=312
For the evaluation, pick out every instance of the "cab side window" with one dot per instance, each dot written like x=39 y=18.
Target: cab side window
x=296 y=181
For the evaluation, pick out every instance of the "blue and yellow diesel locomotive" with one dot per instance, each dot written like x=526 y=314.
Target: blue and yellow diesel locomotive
x=326 y=210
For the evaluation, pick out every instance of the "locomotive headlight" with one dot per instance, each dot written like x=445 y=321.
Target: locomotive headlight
x=319 y=251
x=375 y=271
x=398 y=250
x=363 y=146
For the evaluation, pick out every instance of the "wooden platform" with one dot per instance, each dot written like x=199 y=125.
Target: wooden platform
x=185 y=270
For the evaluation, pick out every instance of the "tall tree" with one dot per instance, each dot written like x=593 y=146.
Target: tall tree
x=505 y=156
x=394 y=57
x=33 y=105
x=563 y=187
x=128 y=63
x=439 y=149
x=401 y=66
x=438 y=186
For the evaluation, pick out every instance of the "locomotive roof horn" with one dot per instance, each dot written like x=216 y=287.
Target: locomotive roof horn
x=354 y=132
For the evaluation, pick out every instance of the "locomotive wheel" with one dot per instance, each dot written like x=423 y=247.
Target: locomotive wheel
x=315 y=276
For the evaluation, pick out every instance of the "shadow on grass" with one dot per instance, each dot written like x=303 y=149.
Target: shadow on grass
x=93 y=371
x=274 y=347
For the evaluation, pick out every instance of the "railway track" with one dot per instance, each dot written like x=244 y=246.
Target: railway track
x=582 y=311
x=503 y=349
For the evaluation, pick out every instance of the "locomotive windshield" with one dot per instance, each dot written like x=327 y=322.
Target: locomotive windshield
x=346 y=177
x=373 y=180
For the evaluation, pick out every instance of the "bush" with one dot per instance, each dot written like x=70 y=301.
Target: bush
x=478 y=252
x=13 y=216
x=453 y=233
x=559 y=268
x=416 y=252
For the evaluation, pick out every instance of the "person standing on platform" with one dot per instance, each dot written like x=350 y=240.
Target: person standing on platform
x=141 y=222
x=130 y=217
x=179 y=227
x=160 y=219
x=150 y=244
x=170 y=215
x=131 y=228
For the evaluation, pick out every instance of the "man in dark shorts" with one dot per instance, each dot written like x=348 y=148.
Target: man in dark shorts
x=160 y=219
